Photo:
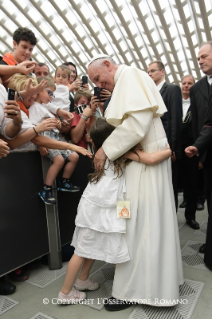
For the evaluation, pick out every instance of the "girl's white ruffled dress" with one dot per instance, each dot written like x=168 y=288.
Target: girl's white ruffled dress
x=99 y=233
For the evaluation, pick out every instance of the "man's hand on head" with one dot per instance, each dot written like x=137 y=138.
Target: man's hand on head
x=99 y=159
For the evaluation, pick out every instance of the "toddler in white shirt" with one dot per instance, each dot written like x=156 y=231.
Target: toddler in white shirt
x=61 y=94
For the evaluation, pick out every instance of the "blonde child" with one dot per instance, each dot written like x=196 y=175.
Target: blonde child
x=37 y=113
x=61 y=94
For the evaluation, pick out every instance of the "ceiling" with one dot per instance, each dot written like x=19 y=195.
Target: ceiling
x=133 y=32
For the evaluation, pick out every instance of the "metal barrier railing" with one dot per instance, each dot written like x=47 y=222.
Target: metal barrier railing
x=30 y=229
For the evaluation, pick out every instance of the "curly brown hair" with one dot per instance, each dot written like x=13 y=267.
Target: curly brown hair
x=100 y=130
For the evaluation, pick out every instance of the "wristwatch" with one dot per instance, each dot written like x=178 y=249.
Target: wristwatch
x=84 y=117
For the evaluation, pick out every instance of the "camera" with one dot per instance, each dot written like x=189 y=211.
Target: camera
x=11 y=94
x=80 y=108
x=97 y=92
x=11 y=97
x=84 y=79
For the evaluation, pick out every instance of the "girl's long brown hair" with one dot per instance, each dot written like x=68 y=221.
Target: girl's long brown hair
x=99 y=133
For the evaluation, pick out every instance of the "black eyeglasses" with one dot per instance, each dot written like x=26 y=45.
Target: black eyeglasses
x=153 y=70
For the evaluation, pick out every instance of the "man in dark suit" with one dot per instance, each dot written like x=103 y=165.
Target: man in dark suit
x=189 y=166
x=172 y=120
x=200 y=94
x=203 y=143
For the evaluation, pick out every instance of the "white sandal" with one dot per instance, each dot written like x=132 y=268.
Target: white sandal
x=88 y=284
x=72 y=298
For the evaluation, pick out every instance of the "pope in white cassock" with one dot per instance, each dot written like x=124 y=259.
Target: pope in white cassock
x=154 y=271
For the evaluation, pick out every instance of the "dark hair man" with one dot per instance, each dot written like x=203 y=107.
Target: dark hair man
x=172 y=120
x=41 y=69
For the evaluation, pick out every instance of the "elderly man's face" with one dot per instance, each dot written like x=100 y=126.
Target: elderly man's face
x=187 y=83
x=205 y=59
x=102 y=76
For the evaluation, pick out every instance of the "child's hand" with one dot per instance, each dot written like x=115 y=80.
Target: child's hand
x=169 y=149
x=26 y=67
x=65 y=127
x=88 y=111
x=68 y=116
x=94 y=103
x=46 y=125
x=59 y=125
x=43 y=151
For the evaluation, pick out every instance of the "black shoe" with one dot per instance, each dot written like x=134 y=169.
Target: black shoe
x=6 y=288
x=183 y=204
x=202 y=249
x=192 y=223
x=113 y=304
x=200 y=206
x=209 y=267
x=46 y=195
x=66 y=186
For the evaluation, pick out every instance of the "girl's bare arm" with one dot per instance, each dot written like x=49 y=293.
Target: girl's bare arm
x=149 y=158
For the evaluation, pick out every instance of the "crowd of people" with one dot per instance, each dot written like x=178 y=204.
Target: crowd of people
x=141 y=145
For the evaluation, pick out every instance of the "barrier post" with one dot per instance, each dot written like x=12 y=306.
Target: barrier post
x=54 y=256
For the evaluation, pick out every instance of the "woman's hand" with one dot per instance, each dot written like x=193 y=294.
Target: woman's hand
x=26 y=67
x=75 y=85
x=12 y=111
x=86 y=87
x=4 y=149
x=81 y=150
x=46 y=125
